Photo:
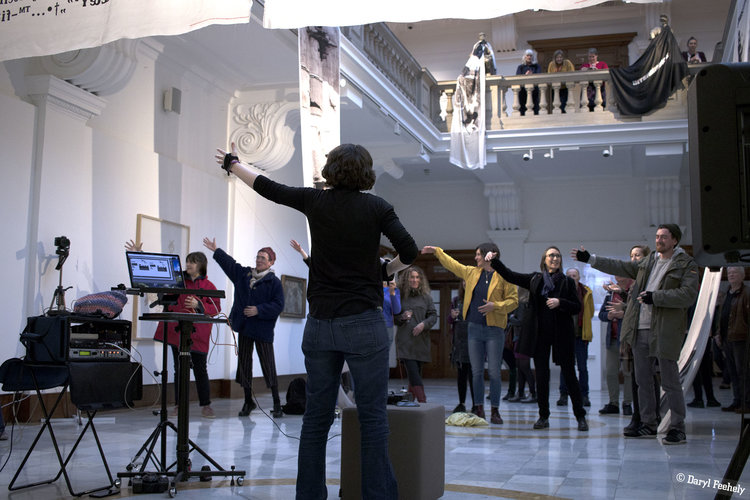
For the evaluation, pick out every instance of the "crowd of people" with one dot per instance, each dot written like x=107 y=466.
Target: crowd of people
x=560 y=64
x=355 y=296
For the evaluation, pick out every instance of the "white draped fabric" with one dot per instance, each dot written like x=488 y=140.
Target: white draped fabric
x=298 y=13
x=31 y=28
x=467 y=128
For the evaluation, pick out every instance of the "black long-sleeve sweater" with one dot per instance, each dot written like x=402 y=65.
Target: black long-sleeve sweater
x=345 y=227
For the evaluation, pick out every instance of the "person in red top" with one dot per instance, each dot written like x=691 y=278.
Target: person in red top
x=195 y=278
x=594 y=64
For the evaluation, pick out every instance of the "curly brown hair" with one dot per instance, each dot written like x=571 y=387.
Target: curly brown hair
x=349 y=166
x=403 y=281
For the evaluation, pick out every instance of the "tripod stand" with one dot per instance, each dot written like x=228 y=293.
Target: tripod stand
x=57 y=306
x=180 y=469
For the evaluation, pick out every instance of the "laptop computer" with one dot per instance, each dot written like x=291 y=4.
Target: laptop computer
x=154 y=270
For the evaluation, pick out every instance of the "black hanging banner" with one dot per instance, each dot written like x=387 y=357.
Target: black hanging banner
x=647 y=83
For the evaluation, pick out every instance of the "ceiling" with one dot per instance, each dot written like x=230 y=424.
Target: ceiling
x=237 y=57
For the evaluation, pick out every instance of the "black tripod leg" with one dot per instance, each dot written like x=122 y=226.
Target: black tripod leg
x=45 y=425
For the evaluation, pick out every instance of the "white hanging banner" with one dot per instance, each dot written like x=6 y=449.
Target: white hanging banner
x=299 y=13
x=31 y=28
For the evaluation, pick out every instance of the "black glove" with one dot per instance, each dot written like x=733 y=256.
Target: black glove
x=384 y=270
x=229 y=159
x=583 y=255
x=647 y=297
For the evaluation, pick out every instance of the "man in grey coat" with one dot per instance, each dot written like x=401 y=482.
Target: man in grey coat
x=655 y=323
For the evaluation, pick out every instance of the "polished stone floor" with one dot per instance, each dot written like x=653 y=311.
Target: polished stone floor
x=499 y=461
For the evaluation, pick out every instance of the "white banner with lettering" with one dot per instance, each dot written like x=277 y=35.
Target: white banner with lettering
x=43 y=27
x=298 y=13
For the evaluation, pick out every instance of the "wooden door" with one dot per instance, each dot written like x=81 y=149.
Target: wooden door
x=440 y=336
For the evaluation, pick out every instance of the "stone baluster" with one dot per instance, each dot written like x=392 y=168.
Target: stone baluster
x=542 y=98
x=495 y=123
x=598 y=99
x=529 y=99
x=449 y=109
x=516 y=106
x=556 y=103
x=503 y=108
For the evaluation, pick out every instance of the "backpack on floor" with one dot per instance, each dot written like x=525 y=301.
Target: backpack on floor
x=295 y=397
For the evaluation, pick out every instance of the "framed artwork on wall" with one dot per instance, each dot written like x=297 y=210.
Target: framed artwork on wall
x=161 y=236
x=295 y=293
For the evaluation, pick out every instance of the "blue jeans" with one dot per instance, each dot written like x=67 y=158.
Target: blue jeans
x=362 y=341
x=486 y=341
x=582 y=356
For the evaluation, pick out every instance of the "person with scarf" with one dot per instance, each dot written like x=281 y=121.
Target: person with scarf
x=258 y=301
x=548 y=325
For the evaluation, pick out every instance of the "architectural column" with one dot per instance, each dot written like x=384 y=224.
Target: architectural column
x=663 y=199
x=61 y=189
x=504 y=206
x=504 y=34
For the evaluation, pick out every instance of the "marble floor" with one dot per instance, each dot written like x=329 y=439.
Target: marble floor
x=499 y=461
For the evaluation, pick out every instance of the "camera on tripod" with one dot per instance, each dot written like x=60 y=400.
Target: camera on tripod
x=58 y=299
x=63 y=244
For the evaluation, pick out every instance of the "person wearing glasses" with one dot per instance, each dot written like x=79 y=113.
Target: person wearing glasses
x=548 y=326
x=258 y=302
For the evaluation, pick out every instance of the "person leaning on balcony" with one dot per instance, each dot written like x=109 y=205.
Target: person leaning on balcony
x=693 y=55
x=559 y=64
x=528 y=66
x=594 y=64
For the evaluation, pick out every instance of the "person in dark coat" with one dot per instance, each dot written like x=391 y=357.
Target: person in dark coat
x=548 y=325
x=528 y=66
x=258 y=301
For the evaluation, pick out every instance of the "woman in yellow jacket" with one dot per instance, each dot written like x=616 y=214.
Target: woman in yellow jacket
x=584 y=335
x=487 y=301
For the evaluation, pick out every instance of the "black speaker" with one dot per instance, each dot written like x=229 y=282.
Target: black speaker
x=46 y=339
x=105 y=384
x=719 y=141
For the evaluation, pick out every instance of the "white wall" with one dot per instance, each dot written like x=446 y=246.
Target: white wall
x=97 y=175
x=16 y=147
x=440 y=214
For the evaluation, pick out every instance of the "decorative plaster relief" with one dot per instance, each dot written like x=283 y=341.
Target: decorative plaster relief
x=102 y=70
x=263 y=134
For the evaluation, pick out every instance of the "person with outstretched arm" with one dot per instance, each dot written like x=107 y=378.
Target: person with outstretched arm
x=345 y=295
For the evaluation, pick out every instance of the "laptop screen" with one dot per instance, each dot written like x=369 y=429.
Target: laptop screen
x=154 y=270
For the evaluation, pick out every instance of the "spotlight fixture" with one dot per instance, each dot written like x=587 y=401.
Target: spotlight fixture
x=397 y=128
x=528 y=156
x=551 y=154
x=607 y=152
